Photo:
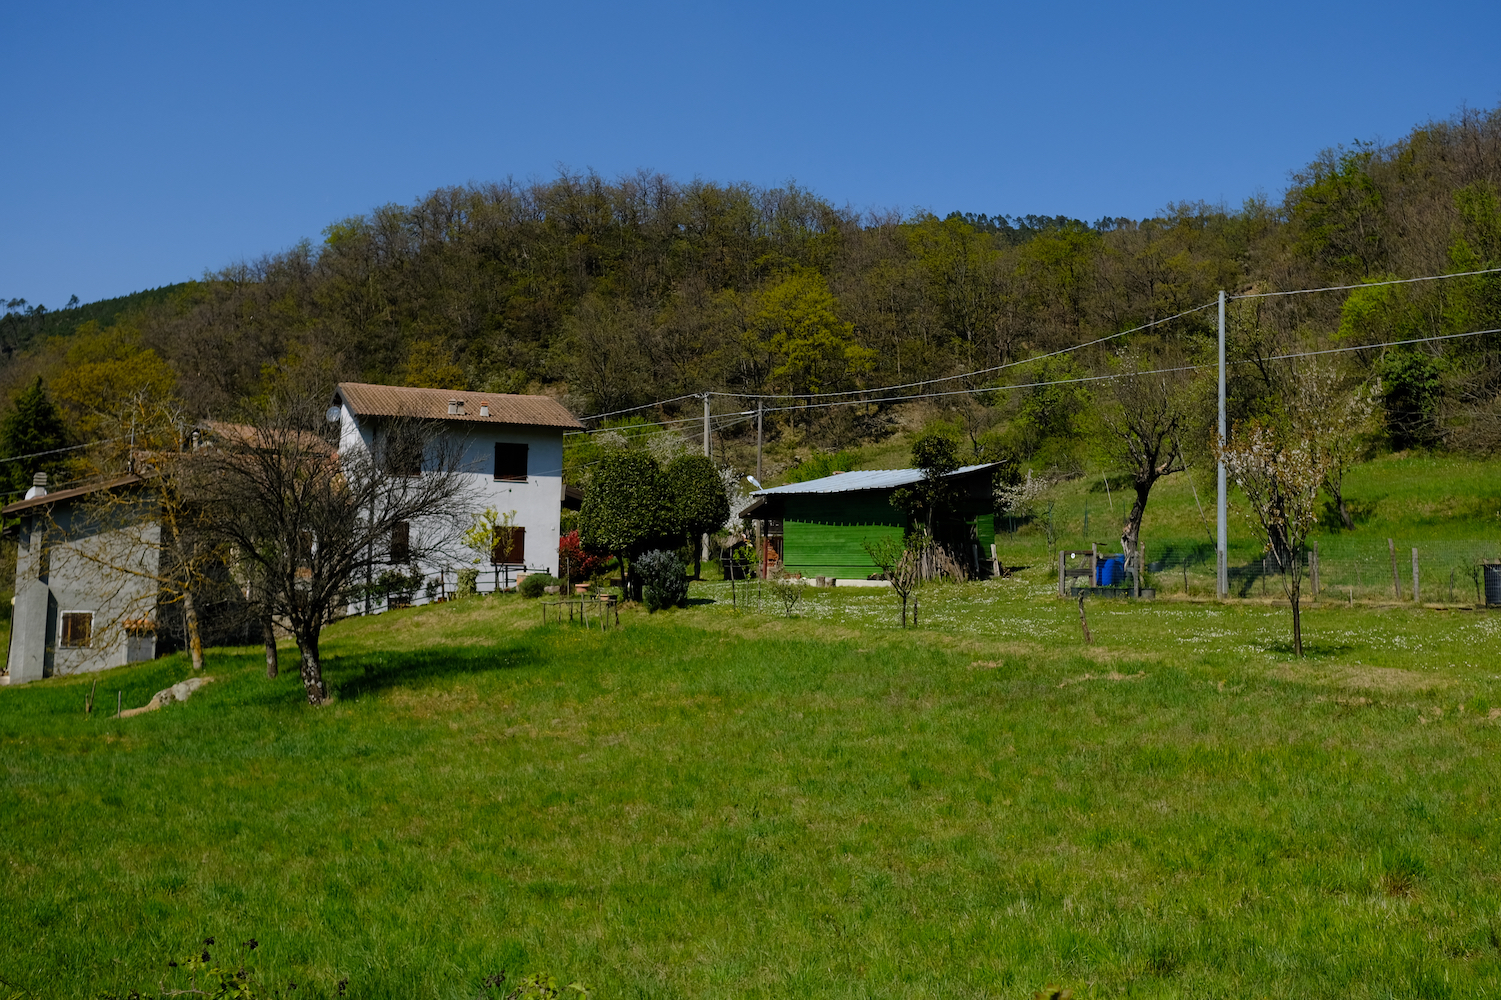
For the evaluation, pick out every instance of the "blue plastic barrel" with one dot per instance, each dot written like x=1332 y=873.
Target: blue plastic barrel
x=1112 y=571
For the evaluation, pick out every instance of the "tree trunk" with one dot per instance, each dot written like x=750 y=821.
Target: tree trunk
x=1297 y=627
x=1131 y=530
x=312 y=669
x=190 y=618
x=268 y=636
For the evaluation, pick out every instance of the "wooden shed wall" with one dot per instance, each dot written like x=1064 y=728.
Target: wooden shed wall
x=824 y=534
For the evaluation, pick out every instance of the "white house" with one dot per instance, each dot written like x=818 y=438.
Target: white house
x=512 y=457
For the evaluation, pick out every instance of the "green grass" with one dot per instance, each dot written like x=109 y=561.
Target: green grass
x=713 y=802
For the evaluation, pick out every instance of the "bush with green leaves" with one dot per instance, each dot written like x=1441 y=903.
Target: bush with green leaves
x=697 y=494
x=468 y=583
x=664 y=579
x=535 y=584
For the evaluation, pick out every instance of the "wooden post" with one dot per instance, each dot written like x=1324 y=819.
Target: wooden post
x=1416 y=594
x=119 y=702
x=1061 y=560
x=1313 y=571
x=995 y=561
x=1094 y=565
x=1391 y=547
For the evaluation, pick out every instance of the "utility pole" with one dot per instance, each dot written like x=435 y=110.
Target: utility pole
x=759 y=404
x=1221 y=552
x=704 y=551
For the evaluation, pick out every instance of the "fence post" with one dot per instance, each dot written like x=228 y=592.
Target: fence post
x=1391 y=547
x=1313 y=571
x=1416 y=599
x=995 y=561
x=1060 y=570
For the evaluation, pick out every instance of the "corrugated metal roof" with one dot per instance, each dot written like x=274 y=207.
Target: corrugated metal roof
x=69 y=494
x=873 y=479
x=433 y=404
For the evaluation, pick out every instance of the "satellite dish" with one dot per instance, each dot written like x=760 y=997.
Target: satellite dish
x=332 y=416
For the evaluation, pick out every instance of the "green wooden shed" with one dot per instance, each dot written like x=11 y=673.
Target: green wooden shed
x=826 y=522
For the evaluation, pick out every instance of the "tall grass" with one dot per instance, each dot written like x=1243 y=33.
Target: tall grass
x=721 y=803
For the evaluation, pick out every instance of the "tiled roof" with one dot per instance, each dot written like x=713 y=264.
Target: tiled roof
x=872 y=479
x=69 y=494
x=504 y=408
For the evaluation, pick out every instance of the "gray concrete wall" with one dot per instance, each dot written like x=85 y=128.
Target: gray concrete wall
x=73 y=558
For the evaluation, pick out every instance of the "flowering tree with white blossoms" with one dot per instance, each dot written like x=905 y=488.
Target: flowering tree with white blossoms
x=1280 y=468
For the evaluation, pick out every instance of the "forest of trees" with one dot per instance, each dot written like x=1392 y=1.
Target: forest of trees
x=616 y=293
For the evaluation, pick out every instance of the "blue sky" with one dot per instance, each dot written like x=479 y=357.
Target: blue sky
x=146 y=145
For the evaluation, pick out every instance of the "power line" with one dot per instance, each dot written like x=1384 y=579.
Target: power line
x=58 y=451
x=1365 y=284
x=973 y=374
x=644 y=406
x=1135 y=374
x=1026 y=361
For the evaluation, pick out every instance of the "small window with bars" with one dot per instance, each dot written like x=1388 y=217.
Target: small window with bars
x=510 y=462
x=77 y=630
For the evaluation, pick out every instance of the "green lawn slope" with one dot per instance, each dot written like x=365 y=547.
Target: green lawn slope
x=720 y=801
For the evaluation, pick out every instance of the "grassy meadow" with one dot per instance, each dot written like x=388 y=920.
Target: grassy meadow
x=722 y=801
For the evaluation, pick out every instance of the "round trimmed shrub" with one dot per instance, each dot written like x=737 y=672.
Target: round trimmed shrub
x=664 y=579
x=535 y=584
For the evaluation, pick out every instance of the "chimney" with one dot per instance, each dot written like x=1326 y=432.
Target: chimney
x=484 y=409
x=38 y=486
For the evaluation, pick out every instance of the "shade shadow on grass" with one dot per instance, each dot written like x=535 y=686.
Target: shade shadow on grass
x=355 y=676
x=1311 y=649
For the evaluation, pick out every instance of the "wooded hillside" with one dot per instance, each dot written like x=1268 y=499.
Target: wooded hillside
x=615 y=293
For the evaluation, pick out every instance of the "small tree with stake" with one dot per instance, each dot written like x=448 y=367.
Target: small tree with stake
x=901 y=565
x=1280 y=469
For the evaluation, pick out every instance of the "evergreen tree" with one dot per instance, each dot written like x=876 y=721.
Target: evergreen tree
x=34 y=428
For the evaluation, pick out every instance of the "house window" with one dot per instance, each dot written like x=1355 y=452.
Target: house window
x=78 y=629
x=401 y=543
x=510 y=462
x=510 y=551
x=403 y=453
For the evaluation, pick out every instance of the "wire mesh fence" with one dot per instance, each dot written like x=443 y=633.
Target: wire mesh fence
x=1446 y=571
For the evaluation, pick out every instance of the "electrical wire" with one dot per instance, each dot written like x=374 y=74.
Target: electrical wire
x=644 y=406
x=1135 y=374
x=1025 y=361
x=973 y=374
x=59 y=451
x=1365 y=284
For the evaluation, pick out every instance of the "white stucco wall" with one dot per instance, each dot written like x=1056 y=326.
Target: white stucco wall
x=537 y=503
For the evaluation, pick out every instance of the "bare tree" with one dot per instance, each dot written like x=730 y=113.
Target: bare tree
x=1144 y=416
x=1280 y=469
x=149 y=528
x=307 y=522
